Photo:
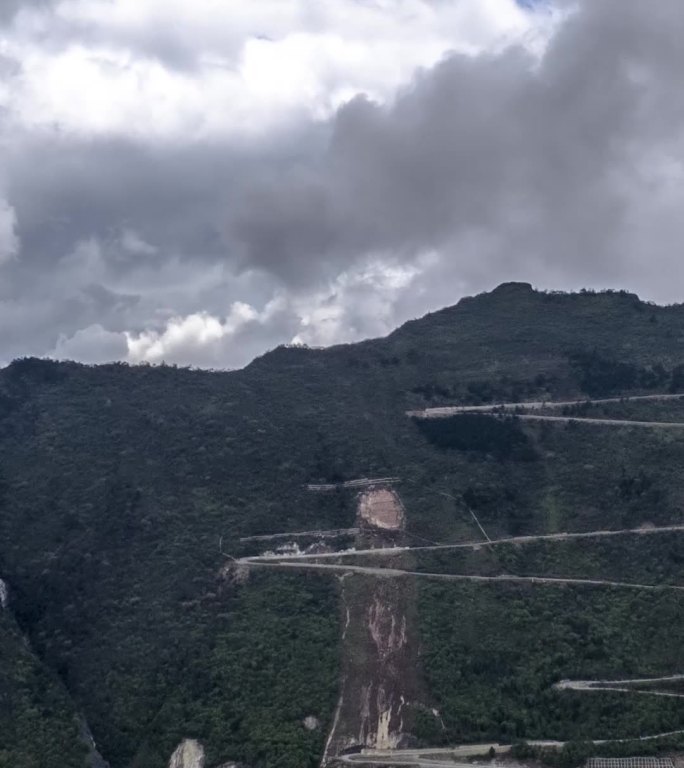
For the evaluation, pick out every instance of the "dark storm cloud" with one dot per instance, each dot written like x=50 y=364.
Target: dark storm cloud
x=91 y=188
x=67 y=188
x=564 y=171
x=121 y=235
x=10 y=8
x=544 y=156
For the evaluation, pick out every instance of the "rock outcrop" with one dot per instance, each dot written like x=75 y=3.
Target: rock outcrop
x=189 y=754
x=311 y=723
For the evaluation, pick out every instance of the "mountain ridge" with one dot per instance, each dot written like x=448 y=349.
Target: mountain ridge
x=118 y=483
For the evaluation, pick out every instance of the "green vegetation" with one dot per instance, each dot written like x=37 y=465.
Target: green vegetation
x=38 y=724
x=575 y=753
x=259 y=667
x=501 y=438
x=493 y=653
x=637 y=558
x=116 y=483
x=601 y=376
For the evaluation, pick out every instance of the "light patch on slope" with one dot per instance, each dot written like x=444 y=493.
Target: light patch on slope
x=188 y=754
x=381 y=508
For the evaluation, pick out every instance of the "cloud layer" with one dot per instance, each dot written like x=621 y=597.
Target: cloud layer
x=199 y=187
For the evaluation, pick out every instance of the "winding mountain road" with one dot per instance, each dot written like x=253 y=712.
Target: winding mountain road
x=500 y=579
x=432 y=757
x=604 y=422
x=623 y=686
x=451 y=410
x=447 y=757
x=474 y=545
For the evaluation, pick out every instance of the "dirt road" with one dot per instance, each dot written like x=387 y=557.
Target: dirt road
x=451 y=410
x=501 y=579
x=432 y=758
x=604 y=422
x=410 y=759
x=473 y=545
x=623 y=686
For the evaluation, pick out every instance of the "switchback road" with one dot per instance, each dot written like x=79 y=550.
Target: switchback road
x=604 y=422
x=448 y=757
x=451 y=410
x=474 y=545
x=623 y=686
x=500 y=579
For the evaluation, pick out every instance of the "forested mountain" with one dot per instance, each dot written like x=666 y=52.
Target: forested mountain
x=118 y=482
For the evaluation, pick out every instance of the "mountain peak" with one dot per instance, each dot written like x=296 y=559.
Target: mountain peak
x=513 y=287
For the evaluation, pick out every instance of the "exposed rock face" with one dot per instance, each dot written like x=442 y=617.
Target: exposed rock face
x=381 y=508
x=234 y=573
x=312 y=723
x=383 y=699
x=387 y=629
x=189 y=754
x=381 y=687
x=4 y=594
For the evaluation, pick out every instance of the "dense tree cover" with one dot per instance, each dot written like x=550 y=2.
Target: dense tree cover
x=575 y=753
x=602 y=376
x=125 y=477
x=635 y=558
x=258 y=668
x=502 y=438
x=118 y=586
x=38 y=723
x=493 y=653
x=504 y=389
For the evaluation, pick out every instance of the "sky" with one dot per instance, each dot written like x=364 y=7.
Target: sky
x=197 y=183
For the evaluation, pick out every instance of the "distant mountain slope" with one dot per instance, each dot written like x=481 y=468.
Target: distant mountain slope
x=118 y=481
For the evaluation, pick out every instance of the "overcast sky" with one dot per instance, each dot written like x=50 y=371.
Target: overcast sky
x=198 y=182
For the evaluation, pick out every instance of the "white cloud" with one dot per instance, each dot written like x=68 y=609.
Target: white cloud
x=196 y=336
x=9 y=240
x=92 y=345
x=150 y=224
x=168 y=69
x=359 y=303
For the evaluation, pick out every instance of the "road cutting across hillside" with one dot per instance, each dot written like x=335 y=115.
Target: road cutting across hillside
x=475 y=545
x=447 y=757
x=292 y=563
x=452 y=410
x=602 y=422
x=628 y=685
